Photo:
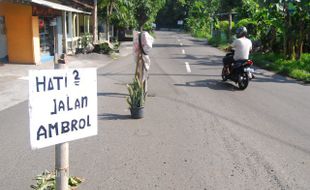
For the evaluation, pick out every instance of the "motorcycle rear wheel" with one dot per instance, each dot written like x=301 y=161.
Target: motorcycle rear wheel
x=243 y=82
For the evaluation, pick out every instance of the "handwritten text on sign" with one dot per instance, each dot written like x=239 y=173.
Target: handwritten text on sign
x=62 y=105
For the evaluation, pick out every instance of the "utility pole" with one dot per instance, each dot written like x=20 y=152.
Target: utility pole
x=64 y=31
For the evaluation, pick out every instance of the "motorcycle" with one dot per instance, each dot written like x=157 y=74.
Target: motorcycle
x=239 y=71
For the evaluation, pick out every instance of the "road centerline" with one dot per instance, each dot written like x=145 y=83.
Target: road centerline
x=188 y=68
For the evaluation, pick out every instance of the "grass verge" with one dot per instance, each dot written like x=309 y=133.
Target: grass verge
x=297 y=69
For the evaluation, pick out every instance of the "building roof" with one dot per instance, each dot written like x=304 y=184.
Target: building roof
x=58 y=6
x=86 y=5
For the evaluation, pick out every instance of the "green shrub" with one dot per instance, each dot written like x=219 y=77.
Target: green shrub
x=218 y=39
x=223 y=25
x=200 y=34
x=107 y=48
x=266 y=60
x=305 y=61
x=301 y=75
x=198 y=28
x=85 y=40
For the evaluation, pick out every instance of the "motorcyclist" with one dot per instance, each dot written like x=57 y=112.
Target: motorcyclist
x=241 y=47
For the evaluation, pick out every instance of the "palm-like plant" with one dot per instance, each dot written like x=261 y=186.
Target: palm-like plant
x=136 y=96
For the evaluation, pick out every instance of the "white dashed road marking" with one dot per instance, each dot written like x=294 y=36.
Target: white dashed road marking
x=188 y=68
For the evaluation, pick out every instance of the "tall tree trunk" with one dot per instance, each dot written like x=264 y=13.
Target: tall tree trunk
x=286 y=31
x=300 y=40
x=273 y=34
x=108 y=25
x=230 y=26
x=95 y=23
x=285 y=42
x=291 y=39
x=109 y=13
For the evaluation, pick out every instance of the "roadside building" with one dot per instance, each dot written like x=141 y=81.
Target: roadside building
x=30 y=30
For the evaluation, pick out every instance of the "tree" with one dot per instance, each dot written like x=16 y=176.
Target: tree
x=199 y=15
x=116 y=10
x=294 y=15
x=129 y=13
x=142 y=12
x=299 y=21
x=123 y=17
x=227 y=6
x=171 y=14
x=146 y=11
x=108 y=6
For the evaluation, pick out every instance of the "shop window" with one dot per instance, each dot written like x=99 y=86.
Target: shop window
x=2 y=26
x=46 y=36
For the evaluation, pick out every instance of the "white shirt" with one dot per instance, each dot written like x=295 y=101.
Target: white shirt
x=242 y=47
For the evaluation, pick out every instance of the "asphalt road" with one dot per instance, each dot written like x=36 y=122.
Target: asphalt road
x=198 y=132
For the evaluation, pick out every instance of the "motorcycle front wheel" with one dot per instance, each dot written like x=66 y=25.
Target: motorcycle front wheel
x=243 y=81
x=224 y=78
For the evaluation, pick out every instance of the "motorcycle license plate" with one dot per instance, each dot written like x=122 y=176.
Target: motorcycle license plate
x=249 y=70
